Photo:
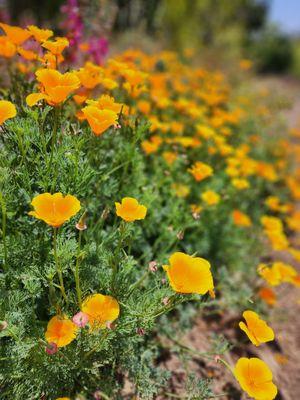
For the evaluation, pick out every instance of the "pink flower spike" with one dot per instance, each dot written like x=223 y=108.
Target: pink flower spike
x=51 y=348
x=80 y=319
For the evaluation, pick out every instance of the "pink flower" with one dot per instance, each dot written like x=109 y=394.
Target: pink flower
x=80 y=319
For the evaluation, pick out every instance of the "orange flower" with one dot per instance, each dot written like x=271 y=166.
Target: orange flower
x=268 y=296
x=56 y=86
x=7 y=48
x=255 y=378
x=100 y=120
x=100 y=309
x=57 y=46
x=189 y=274
x=7 y=110
x=40 y=35
x=15 y=34
x=130 y=210
x=106 y=102
x=240 y=218
x=90 y=76
x=200 y=171
x=54 y=209
x=60 y=331
x=27 y=54
x=256 y=329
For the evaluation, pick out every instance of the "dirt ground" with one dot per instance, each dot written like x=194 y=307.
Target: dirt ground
x=283 y=354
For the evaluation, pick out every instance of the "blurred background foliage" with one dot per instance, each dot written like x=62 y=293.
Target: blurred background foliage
x=223 y=30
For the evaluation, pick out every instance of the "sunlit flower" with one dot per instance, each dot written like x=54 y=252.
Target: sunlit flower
x=189 y=274
x=15 y=34
x=57 y=46
x=100 y=120
x=210 y=197
x=200 y=170
x=130 y=210
x=56 y=86
x=7 y=110
x=40 y=35
x=100 y=309
x=256 y=329
x=255 y=378
x=54 y=209
x=7 y=48
x=60 y=331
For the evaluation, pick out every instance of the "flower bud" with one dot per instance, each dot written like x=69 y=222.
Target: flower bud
x=80 y=319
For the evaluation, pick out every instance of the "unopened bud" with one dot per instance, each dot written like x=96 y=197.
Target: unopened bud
x=140 y=331
x=3 y=325
x=51 y=348
x=180 y=235
x=81 y=225
x=153 y=266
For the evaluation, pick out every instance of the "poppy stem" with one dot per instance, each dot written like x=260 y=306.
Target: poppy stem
x=3 y=211
x=77 y=278
x=58 y=267
x=54 y=137
x=226 y=365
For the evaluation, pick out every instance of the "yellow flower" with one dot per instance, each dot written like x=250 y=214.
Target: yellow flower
x=181 y=190
x=240 y=184
x=256 y=329
x=57 y=46
x=189 y=274
x=60 y=331
x=255 y=378
x=200 y=171
x=100 y=310
x=99 y=120
x=15 y=34
x=271 y=275
x=56 y=86
x=54 y=209
x=7 y=110
x=130 y=209
x=40 y=35
x=210 y=197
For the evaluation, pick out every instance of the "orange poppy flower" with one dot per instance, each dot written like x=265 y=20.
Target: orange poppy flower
x=54 y=209
x=189 y=274
x=100 y=309
x=15 y=34
x=268 y=296
x=27 y=54
x=57 y=46
x=7 y=48
x=200 y=171
x=106 y=102
x=40 y=35
x=56 y=86
x=130 y=210
x=256 y=329
x=60 y=331
x=255 y=378
x=241 y=219
x=90 y=76
x=100 y=120
x=7 y=110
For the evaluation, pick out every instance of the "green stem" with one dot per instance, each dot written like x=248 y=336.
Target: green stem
x=77 y=278
x=138 y=283
x=117 y=256
x=3 y=210
x=58 y=267
x=54 y=138
x=226 y=365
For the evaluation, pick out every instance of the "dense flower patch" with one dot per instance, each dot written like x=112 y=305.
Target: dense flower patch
x=132 y=190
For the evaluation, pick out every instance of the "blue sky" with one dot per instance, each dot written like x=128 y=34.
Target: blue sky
x=286 y=13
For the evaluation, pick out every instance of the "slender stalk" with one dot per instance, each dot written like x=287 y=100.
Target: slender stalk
x=54 y=138
x=138 y=283
x=77 y=278
x=117 y=257
x=58 y=266
x=3 y=210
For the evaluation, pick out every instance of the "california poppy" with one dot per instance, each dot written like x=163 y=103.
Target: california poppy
x=255 y=378
x=100 y=310
x=56 y=86
x=200 y=170
x=130 y=210
x=60 y=331
x=15 y=34
x=189 y=274
x=40 y=35
x=256 y=329
x=54 y=209
x=100 y=120
x=7 y=110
